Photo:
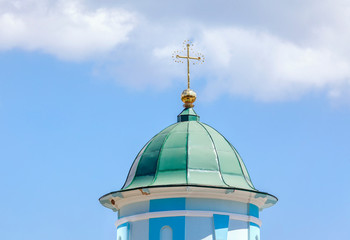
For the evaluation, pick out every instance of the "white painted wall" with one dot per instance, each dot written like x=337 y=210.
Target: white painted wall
x=139 y=230
x=216 y=205
x=122 y=233
x=199 y=228
x=237 y=230
x=134 y=208
x=254 y=233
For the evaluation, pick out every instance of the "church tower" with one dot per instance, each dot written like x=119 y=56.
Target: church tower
x=188 y=183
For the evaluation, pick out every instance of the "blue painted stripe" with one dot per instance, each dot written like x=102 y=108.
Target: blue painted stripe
x=253 y=224
x=123 y=225
x=133 y=208
x=221 y=223
x=253 y=210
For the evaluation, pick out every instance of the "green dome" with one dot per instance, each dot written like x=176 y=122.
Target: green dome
x=191 y=153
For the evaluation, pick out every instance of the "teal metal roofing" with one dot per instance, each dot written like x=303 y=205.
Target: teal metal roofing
x=188 y=152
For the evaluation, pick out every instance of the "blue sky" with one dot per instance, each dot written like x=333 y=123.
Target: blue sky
x=85 y=84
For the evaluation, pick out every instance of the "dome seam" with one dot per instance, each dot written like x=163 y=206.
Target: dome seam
x=143 y=149
x=240 y=164
x=216 y=152
x=160 y=153
x=149 y=143
x=238 y=158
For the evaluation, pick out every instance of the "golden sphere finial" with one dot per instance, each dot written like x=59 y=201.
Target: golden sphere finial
x=188 y=97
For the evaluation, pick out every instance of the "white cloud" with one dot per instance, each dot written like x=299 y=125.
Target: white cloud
x=239 y=61
x=263 y=61
x=280 y=52
x=66 y=29
x=263 y=66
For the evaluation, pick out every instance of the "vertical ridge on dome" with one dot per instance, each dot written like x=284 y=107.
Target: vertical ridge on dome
x=159 y=155
x=217 y=155
x=231 y=166
x=172 y=158
x=243 y=167
x=147 y=164
x=202 y=170
x=134 y=165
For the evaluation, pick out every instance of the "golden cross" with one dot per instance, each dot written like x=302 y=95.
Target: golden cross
x=200 y=59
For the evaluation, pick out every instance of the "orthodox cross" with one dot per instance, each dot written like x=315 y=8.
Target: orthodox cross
x=178 y=58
